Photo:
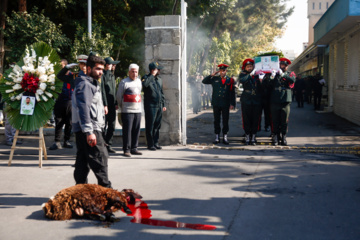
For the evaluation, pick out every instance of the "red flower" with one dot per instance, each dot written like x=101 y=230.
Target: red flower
x=30 y=83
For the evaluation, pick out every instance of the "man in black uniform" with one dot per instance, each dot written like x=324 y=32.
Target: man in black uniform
x=223 y=99
x=251 y=99
x=281 y=83
x=319 y=82
x=299 y=90
x=154 y=105
x=108 y=87
x=62 y=108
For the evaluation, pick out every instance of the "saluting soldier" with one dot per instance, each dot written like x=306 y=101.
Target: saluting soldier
x=251 y=99
x=223 y=99
x=154 y=105
x=281 y=83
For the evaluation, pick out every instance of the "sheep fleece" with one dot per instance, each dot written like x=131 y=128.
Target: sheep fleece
x=91 y=198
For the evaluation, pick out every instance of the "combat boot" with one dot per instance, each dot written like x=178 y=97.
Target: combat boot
x=283 y=140
x=275 y=139
x=225 y=139
x=253 y=140
x=216 y=139
x=279 y=138
x=247 y=139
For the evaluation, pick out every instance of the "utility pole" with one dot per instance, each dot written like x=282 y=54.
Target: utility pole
x=183 y=71
x=89 y=18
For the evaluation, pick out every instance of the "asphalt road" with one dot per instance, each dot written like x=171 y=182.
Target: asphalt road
x=309 y=190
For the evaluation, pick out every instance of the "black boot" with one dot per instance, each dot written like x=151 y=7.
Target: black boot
x=253 y=140
x=217 y=140
x=247 y=139
x=283 y=140
x=274 y=139
x=279 y=138
x=225 y=139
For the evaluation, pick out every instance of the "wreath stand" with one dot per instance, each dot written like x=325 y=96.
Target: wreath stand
x=41 y=148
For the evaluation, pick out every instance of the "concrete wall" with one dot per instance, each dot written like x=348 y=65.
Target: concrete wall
x=163 y=44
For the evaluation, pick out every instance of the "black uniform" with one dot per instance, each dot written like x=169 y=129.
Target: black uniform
x=251 y=99
x=222 y=97
x=299 y=90
x=154 y=101
x=108 y=87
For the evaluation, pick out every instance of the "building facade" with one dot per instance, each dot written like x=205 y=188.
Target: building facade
x=316 y=8
x=335 y=54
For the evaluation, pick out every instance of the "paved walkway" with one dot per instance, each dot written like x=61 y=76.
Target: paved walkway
x=252 y=192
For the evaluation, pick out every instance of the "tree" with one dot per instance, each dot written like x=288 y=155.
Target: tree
x=27 y=28
x=2 y=28
x=253 y=26
x=83 y=44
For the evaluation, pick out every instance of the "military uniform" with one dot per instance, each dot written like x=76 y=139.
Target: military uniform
x=281 y=97
x=251 y=99
x=154 y=101
x=108 y=89
x=222 y=97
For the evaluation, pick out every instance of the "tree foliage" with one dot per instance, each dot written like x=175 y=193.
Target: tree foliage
x=246 y=26
x=27 y=28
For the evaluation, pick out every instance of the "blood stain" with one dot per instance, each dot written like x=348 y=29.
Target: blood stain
x=142 y=214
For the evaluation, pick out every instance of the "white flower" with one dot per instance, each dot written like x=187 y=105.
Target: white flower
x=40 y=71
x=25 y=68
x=16 y=87
x=17 y=70
x=9 y=90
x=49 y=94
x=12 y=98
x=9 y=83
x=18 y=97
x=18 y=80
x=37 y=97
x=43 y=78
x=43 y=86
x=52 y=88
x=39 y=91
x=45 y=98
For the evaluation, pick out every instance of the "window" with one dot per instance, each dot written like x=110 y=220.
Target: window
x=313 y=6
x=327 y=5
x=320 y=5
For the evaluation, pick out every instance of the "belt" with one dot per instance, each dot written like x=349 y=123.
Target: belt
x=253 y=92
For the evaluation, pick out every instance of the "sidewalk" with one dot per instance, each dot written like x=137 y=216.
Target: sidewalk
x=307 y=128
x=251 y=193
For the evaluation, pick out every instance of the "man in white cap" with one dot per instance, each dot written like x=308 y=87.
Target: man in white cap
x=62 y=108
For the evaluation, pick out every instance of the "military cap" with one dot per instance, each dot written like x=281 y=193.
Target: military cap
x=223 y=66
x=82 y=58
x=285 y=61
x=93 y=54
x=110 y=60
x=155 y=65
x=247 y=62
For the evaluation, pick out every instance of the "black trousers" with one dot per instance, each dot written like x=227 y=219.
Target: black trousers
x=265 y=107
x=221 y=112
x=300 y=99
x=251 y=116
x=62 y=111
x=153 y=117
x=94 y=158
x=130 y=130
x=280 y=113
x=317 y=101
x=110 y=119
